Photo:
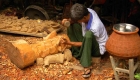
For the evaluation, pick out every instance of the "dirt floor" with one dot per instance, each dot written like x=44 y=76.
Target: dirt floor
x=8 y=71
x=66 y=71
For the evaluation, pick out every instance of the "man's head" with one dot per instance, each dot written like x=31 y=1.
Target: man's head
x=79 y=13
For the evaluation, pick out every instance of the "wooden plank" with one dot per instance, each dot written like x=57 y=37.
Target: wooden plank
x=24 y=33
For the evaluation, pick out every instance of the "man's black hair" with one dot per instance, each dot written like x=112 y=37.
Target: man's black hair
x=78 y=11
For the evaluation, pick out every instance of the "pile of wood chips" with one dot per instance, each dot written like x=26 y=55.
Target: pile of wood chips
x=13 y=24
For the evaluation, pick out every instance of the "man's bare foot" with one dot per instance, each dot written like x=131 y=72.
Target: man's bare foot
x=87 y=72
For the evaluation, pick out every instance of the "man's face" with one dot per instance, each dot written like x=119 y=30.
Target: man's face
x=85 y=19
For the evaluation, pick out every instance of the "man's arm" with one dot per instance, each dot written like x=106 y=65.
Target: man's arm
x=68 y=42
x=78 y=44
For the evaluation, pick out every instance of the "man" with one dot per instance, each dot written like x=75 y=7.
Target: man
x=87 y=37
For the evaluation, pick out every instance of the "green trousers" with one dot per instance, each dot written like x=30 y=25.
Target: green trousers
x=89 y=48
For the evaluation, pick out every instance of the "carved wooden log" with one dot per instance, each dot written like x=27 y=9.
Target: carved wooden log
x=23 y=54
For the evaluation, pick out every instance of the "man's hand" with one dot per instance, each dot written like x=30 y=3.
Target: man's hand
x=65 y=40
x=65 y=22
x=68 y=42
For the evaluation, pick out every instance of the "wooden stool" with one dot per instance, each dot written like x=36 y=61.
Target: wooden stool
x=130 y=71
